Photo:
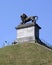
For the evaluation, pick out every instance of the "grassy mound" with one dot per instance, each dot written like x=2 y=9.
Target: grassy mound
x=25 y=54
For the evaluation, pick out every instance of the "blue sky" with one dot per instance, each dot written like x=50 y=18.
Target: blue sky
x=10 y=11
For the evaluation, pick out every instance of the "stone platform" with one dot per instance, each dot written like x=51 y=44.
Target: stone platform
x=27 y=32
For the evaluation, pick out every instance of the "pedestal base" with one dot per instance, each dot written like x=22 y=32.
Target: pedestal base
x=25 y=39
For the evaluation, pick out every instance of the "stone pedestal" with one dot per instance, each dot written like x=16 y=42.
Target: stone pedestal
x=27 y=32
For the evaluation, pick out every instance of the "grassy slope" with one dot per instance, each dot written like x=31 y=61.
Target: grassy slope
x=25 y=54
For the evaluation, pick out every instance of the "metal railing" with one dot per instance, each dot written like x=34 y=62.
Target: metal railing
x=43 y=42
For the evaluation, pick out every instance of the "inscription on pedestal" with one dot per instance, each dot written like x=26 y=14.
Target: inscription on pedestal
x=25 y=32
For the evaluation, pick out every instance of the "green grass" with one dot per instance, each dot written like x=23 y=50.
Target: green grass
x=25 y=54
